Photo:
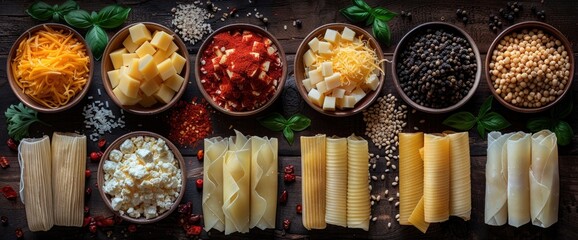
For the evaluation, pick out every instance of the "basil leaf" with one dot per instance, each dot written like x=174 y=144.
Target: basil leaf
x=65 y=8
x=355 y=14
x=274 y=122
x=298 y=122
x=481 y=130
x=562 y=109
x=462 y=121
x=538 y=124
x=289 y=135
x=383 y=14
x=370 y=19
x=96 y=39
x=362 y=4
x=381 y=32
x=486 y=106
x=79 y=19
x=112 y=16
x=40 y=11
x=564 y=133
x=494 y=121
x=94 y=17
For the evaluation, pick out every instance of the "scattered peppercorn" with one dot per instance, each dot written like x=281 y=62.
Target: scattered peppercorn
x=283 y=197
x=13 y=145
x=87 y=193
x=286 y=224
x=4 y=220
x=298 y=209
x=131 y=228
x=289 y=169
x=86 y=211
x=19 y=233
x=200 y=155
x=199 y=184
x=101 y=143
x=4 y=162
x=87 y=173
x=289 y=178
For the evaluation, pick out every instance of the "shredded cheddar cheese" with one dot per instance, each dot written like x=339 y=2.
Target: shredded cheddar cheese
x=51 y=67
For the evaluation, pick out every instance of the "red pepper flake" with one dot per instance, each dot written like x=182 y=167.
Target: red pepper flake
x=289 y=169
x=286 y=224
x=298 y=209
x=95 y=156
x=200 y=155
x=87 y=193
x=9 y=193
x=87 y=220
x=131 y=228
x=19 y=233
x=289 y=178
x=189 y=122
x=92 y=228
x=4 y=162
x=101 y=143
x=87 y=173
x=104 y=222
x=194 y=219
x=185 y=208
x=86 y=210
x=199 y=184
x=4 y=221
x=13 y=145
x=283 y=197
x=194 y=230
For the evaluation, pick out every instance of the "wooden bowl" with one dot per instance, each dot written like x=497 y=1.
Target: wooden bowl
x=299 y=69
x=115 y=145
x=116 y=43
x=241 y=27
x=29 y=101
x=417 y=31
x=518 y=27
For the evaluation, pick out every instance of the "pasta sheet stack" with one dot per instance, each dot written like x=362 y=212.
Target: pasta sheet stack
x=427 y=192
x=240 y=183
x=52 y=181
x=522 y=179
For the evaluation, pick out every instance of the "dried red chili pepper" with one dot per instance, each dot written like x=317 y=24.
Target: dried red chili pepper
x=298 y=209
x=286 y=224
x=283 y=197
x=13 y=145
x=131 y=228
x=95 y=157
x=87 y=173
x=289 y=178
x=19 y=233
x=289 y=169
x=101 y=143
x=4 y=220
x=199 y=184
x=4 y=163
x=200 y=155
x=189 y=122
x=194 y=230
x=9 y=193
x=104 y=222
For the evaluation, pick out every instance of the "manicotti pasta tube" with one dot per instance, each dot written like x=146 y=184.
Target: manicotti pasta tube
x=34 y=155
x=236 y=185
x=336 y=203
x=410 y=174
x=68 y=166
x=263 y=182
x=436 y=178
x=313 y=181
x=519 y=158
x=496 y=204
x=460 y=183
x=358 y=206
x=212 y=203
x=544 y=179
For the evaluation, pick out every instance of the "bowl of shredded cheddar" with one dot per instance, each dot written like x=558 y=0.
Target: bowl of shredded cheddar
x=50 y=67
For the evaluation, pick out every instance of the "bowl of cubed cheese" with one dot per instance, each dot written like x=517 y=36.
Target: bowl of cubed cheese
x=339 y=69
x=145 y=68
x=142 y=177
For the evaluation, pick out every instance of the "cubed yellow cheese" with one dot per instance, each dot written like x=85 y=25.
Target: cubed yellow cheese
x=349 y=102
x=338 y=93
x=127 y=58
x=133 y=70
x=124 y=99
x=150 y=87
x=347 y=34
x=313 y=44
x=129 y=44
x=175 y=82
x=324 y=47
x=147 y=101
x=129 y=86
x=307 y=84
x=309 y=58
x=116 y=57
x=164 y=94
x=315 y=76
x=114 y=77
x=171 y=49
x=321 y=87
x=333 y=81
x=327 y=69
x=147 y=67
x=315 y=97
x=329 y=104
x=139 y=33
x=331 y=35
x=161 y=40
x=166 y=69
x=145 y=48
x=178 y=62
x=372 y=82
x=159 y=56
x=358 y=94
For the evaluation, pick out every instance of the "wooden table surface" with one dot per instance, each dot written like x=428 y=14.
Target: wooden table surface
x=561 y=14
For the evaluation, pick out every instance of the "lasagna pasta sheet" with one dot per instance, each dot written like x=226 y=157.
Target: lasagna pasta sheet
x=519 y=158
x=263 y=182
x=410 y=175
x=313 y=151
x=236 y=185
x=460 y=183
x=358 y=205
x=544 y=179
x=212 y=202
x=336 y=203
x=496 y=204
x=436 y=178
x=417 y=217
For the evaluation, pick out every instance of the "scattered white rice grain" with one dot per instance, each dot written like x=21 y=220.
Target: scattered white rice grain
x=372 y=202
x=382 y=177
x=374 y=219
x=98 y=90
x=393 y=166
x=386 y=192
x=397 y=194
x=394 y=184
x=397 y=178
x=397 y=204
x=378 y=198
x=284 y=27
x=397 y=216
x=389 y=225
x=390 y=199
x=374 y=178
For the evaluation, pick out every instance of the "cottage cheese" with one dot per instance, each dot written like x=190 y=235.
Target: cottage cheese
x=143 y=177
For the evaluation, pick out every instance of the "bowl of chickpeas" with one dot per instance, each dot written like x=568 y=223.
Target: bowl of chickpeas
x=530 y=67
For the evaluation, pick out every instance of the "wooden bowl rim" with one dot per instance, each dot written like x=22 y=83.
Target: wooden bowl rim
x=256 y=29
x=518 y=27
x=28 y=101
x=299 y=68
x=402 y=44
x=106 y=65
x=115 y=145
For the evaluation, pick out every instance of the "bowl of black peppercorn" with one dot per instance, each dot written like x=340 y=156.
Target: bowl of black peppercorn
x=436 y=67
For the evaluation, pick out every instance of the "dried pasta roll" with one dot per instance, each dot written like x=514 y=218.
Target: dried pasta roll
x=436 y=190
x=313 y=181
x=34 y=155
x=263 y=182
x=519 y=158
x=212 y=203
x=460 y=181
x=358 y=205
x=236 y=190
x=496 y=204
x=410 y=174
x=336 y=203
x=68 y=166
x=417 y=217
x=544 y=179
x=239 y=142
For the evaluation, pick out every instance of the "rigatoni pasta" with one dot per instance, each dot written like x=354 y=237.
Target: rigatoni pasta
x=358 y=206
x=460 y=183
x=544 y=179
x=313 y=181
x=263 y=182
x=336 y=203
x=212 y=202
x=436 y=178
x=410 y=175
x=519 y=158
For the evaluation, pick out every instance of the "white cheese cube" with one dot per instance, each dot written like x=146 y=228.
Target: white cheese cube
x=331 y=35
x=255 y=54
x=321 y=87
x=358 y=94
x=127 y=147
x=144 y=154
x=347 y=34
x=338 y=93
x=115 y=155
x=349 y=102
x=109 y=166
x=313 y=44
x=265 y=66
x=315 y=76
x=372 y=82
x=333 y=81
x=329 y=104
x=309 y=58
x=327 y=68
x=324 y=48
x=349 y=87
x=315 y=97
x=307 y=84
x=271 y=50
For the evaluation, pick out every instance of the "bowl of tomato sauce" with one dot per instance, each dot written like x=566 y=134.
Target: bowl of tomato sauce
x=241 y=69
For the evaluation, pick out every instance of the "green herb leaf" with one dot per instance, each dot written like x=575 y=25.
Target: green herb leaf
x=298 y=122
x=383 y=14
x=40 y=11
x=370 y=19
x=562 y=109
x=19 y=119
x=274 y=122
x=564 y=133
x=112 y=16
x=362 y=4
x=493 y=121
x=78 y=19
x=355 y=14
x=289 y=135
x=486 y=106
x=538 y=124
x=65 y=8
x=381 y=32
x=96 y=39
x=481 y=130
x=462 y=121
